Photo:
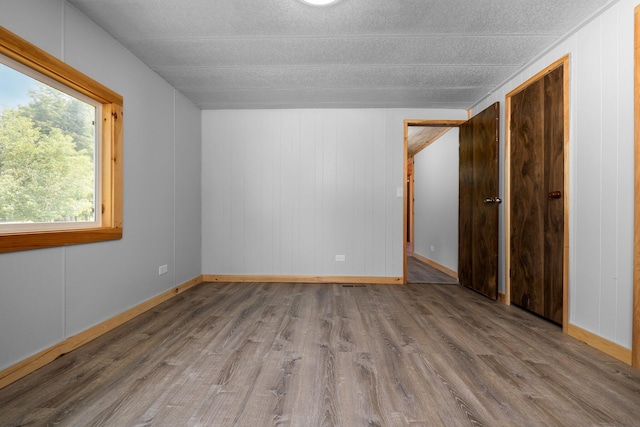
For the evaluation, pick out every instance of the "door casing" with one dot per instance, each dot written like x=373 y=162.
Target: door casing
x=635 y=339
x=407 y=123
x=562 y=62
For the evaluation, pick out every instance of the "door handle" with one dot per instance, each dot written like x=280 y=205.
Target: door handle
x=555 y=195
x=492 y=200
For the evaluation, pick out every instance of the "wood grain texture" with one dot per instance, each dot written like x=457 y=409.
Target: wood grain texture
x=111 y=226
x=527 y=200
x=604 y=345
x=465 y=206
x=30 y=364
x=35 y=58
x=410 y=230
x=478 y=221
x=554 y=182
x=485 y=216
x=301 y=279
x=537 y=162
x=422 y=133
x=420 y=137
x=262 y=354
x=567 y=190
x=424 y=270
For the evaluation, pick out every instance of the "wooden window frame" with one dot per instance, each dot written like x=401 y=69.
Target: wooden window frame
x=111 y=226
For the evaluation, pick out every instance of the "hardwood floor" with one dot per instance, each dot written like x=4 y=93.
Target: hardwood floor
x=419 y=272
x=318 y=354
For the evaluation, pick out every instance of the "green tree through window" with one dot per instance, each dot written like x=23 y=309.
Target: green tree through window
x=61 y=152
x=47 y=156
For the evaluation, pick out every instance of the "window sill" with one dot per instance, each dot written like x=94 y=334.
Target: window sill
x=111 y=152
x=20 y=241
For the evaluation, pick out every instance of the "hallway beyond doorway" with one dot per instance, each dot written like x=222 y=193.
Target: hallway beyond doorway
x=419 y=272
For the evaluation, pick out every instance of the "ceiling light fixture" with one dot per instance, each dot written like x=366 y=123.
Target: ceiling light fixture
x=319 y=2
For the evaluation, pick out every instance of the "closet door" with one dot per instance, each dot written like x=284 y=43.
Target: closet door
x=536 y=196
x=479 y=203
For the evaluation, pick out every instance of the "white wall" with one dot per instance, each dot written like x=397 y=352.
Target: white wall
x=436 y=200
x=601 y=170
x=284 y=191
x=50 y=294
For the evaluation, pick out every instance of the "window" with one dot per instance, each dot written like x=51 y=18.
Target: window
x=60 y=152
x=49 y=164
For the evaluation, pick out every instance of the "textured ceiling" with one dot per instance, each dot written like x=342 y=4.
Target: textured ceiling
x=228 y=54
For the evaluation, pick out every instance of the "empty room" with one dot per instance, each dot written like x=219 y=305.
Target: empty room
x=315 y=212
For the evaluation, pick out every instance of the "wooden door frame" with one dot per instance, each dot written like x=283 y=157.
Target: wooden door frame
x=635 y=340
x=562 y=62
x=407 y=123
x=410 y=180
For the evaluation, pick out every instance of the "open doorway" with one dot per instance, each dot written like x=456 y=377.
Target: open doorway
x=469 y=207
x=424 y=143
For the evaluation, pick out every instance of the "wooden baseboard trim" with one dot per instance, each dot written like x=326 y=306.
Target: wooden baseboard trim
x=502 y=298
x=38 y=360
x=302 y=279
x=437 y=266
x=602 y=344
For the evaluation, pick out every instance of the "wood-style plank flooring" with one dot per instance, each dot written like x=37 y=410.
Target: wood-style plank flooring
x=329 y=355
x=419 y=272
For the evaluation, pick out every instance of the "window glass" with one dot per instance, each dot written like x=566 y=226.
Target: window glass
x=61 y=153
x=49 y=168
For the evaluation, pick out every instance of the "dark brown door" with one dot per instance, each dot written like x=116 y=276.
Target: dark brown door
x=536 y=199
x=479 y=201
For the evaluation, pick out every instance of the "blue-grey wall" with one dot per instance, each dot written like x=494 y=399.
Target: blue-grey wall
x=50 y=294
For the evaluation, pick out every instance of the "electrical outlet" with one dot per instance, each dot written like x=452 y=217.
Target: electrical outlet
x=341 y=258
x=433 y=248
x=162 y=270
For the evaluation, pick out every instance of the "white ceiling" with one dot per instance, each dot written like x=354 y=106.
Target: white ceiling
x=228 y=54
